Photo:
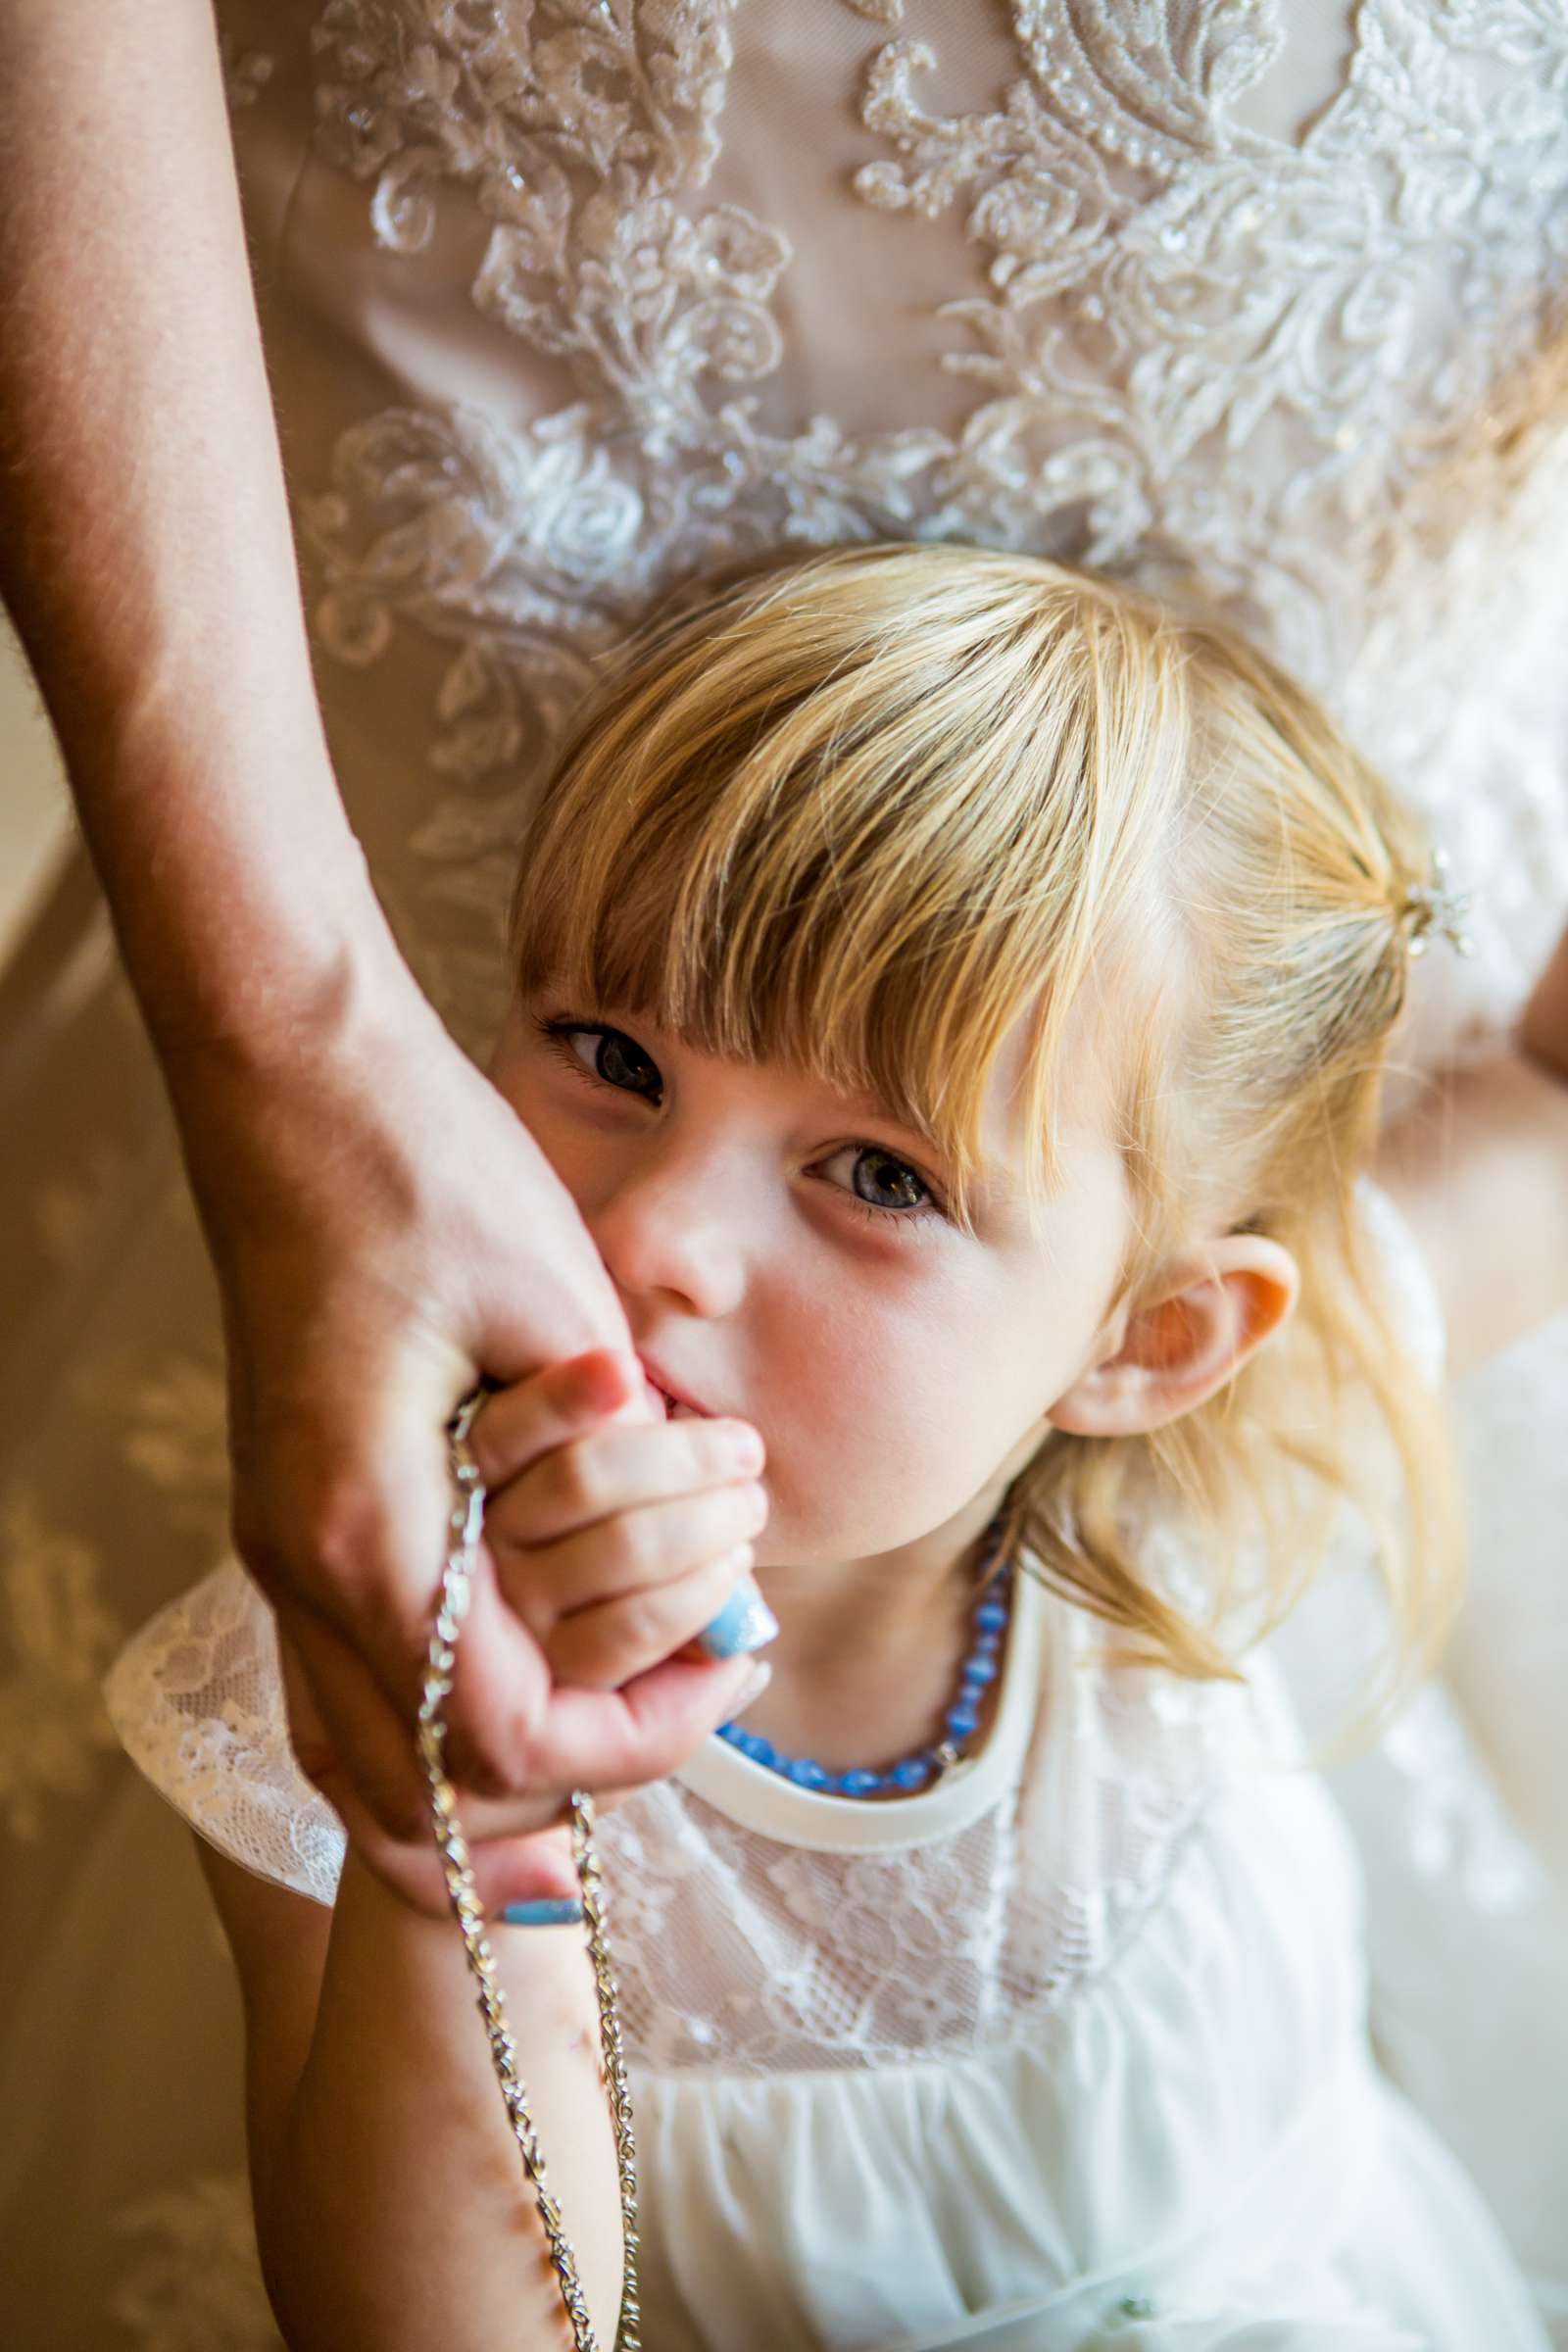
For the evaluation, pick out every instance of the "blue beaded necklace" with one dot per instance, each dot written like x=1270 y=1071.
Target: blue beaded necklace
x=959 y=1724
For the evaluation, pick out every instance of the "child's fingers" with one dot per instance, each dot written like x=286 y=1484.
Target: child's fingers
x=605 y=1646
x=550 y=1407
x=628 y=1553
x=517 y=1424
x=616 y=1467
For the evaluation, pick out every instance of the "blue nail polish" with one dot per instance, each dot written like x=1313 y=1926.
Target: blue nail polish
x=744 y=1622
x=547 y=1912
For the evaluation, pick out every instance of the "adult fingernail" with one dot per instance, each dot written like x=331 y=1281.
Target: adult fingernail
x=744 y=1622
x=547 y=1912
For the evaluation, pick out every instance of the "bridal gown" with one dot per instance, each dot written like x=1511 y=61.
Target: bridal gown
x=562 y=301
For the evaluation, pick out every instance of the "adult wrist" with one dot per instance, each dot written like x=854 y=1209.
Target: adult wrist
x=318 y=989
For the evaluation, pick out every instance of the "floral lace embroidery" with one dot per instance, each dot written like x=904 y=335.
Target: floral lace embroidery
x=1214 y=352
x=1204 y=355
x=62 y=1634
x=766 y=1958
x=197 y=1700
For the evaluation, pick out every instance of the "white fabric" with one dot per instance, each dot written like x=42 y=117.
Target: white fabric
x=1078 y=2029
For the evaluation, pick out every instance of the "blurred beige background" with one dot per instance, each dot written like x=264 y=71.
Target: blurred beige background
x=33 y=793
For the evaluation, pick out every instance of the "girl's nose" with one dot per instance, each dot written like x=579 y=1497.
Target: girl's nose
x=662 y=1228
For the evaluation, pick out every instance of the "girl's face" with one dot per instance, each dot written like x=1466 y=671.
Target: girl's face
x=782 y=1253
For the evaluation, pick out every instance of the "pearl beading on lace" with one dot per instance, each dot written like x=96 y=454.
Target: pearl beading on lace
x=960 y=1725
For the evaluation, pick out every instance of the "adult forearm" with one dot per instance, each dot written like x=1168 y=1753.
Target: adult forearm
x=145 y=550
x=396 y=2216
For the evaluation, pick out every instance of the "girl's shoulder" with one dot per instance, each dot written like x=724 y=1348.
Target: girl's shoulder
x=196 y=1700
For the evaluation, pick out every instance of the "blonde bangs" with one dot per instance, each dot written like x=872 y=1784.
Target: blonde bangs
x=865 y=814
x=861 y=834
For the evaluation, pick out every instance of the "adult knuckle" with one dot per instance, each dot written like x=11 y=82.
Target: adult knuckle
x=495 y=1760
x=347 y=1528
x=353 y=1562
x=478 y=1769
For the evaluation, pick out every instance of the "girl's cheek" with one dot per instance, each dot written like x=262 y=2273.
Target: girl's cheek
x=874 y=1466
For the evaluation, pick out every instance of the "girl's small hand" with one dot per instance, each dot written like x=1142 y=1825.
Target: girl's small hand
x=616 y=1540
x=615 y=1551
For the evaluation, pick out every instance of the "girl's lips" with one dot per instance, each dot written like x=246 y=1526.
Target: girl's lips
x=670 y=1401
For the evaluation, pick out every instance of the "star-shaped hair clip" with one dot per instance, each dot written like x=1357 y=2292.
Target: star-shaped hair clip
x=1432 y=907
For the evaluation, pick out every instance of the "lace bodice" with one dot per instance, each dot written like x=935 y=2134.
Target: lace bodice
x=1199 y=292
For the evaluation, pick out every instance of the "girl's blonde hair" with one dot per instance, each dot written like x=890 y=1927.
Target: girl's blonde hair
x=863 y=812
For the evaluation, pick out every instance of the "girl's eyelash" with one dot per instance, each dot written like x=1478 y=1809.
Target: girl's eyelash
x=557 y=1032
x=916 y=1220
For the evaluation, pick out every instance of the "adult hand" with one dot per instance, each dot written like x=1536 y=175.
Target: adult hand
x=385 y=1232
x=630 y=1539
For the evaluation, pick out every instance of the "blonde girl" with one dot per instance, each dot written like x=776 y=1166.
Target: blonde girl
x=957 y=994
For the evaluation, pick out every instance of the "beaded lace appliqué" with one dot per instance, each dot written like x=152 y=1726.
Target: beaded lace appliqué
x=1210 y=356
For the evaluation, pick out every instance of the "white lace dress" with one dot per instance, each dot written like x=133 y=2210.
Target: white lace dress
x=1069 y=2051
x=559 y=301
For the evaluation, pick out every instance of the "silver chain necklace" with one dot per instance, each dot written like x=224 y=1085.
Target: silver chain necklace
x=467 y=1522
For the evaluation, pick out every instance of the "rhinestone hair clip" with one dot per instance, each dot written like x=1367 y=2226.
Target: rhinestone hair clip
x=1433 y=906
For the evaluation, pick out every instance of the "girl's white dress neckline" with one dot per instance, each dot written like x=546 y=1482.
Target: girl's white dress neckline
x=755 y=1798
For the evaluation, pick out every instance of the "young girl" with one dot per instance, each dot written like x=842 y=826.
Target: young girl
x=956 y=996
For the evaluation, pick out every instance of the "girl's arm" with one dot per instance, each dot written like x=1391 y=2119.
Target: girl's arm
x=1480 y=1169
x=392 y=2211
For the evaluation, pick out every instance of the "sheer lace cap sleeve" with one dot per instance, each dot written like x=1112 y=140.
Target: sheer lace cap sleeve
x=197 y=1701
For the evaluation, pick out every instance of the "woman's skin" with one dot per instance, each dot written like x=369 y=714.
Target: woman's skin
x=382 y=1228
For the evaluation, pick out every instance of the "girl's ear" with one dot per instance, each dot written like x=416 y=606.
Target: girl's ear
x=1213 y=1310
